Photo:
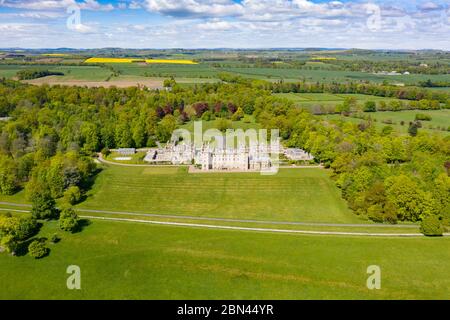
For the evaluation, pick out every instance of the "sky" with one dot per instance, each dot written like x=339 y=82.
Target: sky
x=365 y=24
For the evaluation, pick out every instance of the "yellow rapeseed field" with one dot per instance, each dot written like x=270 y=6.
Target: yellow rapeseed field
x=54 y=55
x=170 y=61
x=131 y=60
x=112 y=60
x=323 y=58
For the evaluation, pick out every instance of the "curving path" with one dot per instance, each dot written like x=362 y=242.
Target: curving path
x=237 y=228
x=292 y=223
x=103 y=160
x=209 y=226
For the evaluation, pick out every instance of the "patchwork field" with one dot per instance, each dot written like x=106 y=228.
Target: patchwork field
x=137 y=60
x=328 y=76
x=309 y=100
x=139 y=261
x=440 y=118
x=83 y=73
x=439 y=124
x=155 y=69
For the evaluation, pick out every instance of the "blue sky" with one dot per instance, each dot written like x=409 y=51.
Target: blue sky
x=371 y=24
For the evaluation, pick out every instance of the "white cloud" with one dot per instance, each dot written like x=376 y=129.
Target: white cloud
x=56 y=4
x=430 y=6
x=226 y=23
x=215 y=26
x=134 y=5
x=33 y=15
x=195 y=8
x=95 y=6
x=82 y=28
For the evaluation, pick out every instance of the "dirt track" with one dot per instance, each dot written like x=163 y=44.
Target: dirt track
x=152 y=84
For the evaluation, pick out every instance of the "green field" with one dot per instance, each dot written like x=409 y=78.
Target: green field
x=309 y=100
x=306 y=195
x=300 y=195
x=207 y=71
x=87 y=73
x=328 y=76
x=440 y=119
x=248 y=122
x=138 y=261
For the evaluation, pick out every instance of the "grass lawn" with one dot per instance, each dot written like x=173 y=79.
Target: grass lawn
x=306 y=195
x=248 y=122
x=137 y=158
x=440 y=118
x=138 y=261
x=309 y=100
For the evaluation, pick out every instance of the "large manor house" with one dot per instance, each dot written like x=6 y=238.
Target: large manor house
x=254 y=157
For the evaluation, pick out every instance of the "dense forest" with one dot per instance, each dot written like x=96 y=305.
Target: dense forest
x=48 y=144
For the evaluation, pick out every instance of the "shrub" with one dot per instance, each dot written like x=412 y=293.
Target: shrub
x=375 y=213
x=37 y=249
x=238 y=115
x=106 y=152
x=55 y=238
x=390 y=213
x=431 y=226
x=370 y=106
x=68 y=220
x=423 y=117
x=72 y=195
x=387 y=130
x=43 y=205
x=206 y=116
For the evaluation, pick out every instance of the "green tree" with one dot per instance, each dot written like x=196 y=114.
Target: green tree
x=166 y=127
x=37 y=249
x=43 y=205
x=409 y=200
x=8 y=176
x=223 y=124
x=370 y=106
x=72 y=195
x=68 y=220
x=431 y=226
x=413 y=129
x=238 y=115
x=14 y=230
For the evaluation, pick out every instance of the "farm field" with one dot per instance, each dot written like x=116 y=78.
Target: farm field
x=210 y=72
x=306 y=195
x=134 y=60
x=440 y=118
x=328 y=76
x=119 y=83
x=140 y=261
x=309 y=100
x=91 y=73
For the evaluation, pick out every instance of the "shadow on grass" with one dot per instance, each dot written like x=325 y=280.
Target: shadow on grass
x=88 y=184
x=22 y=249
x=82 y=224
